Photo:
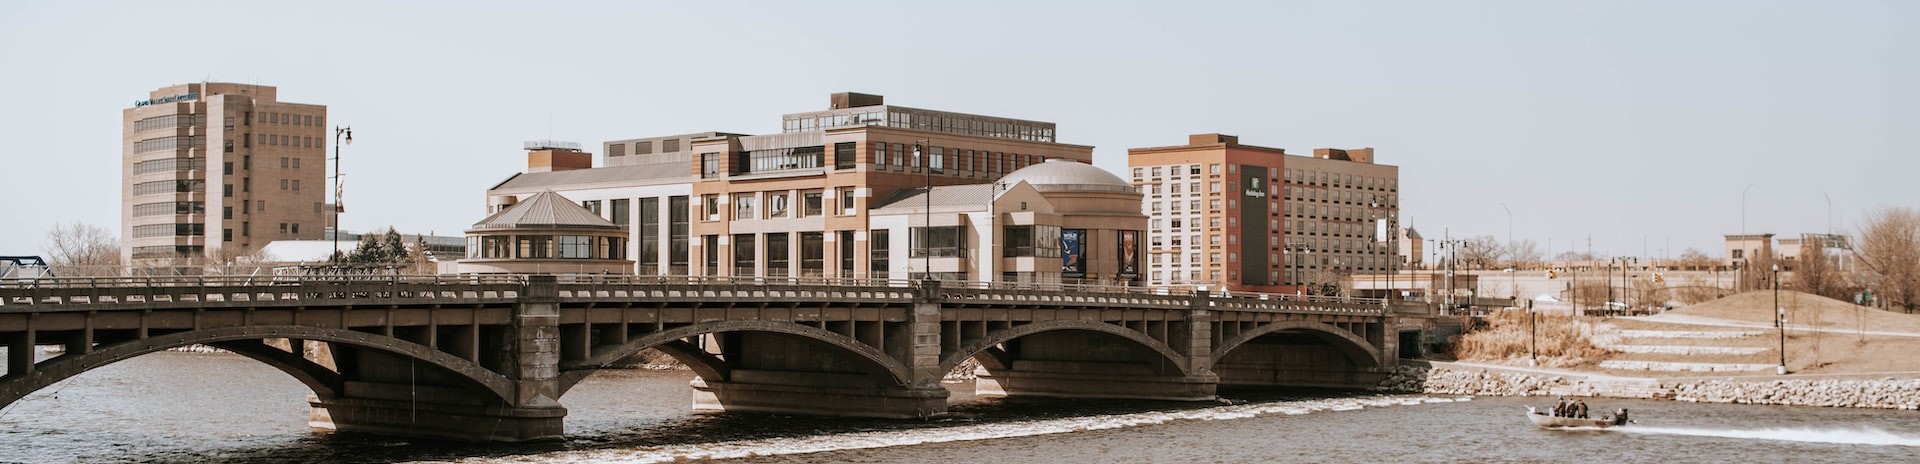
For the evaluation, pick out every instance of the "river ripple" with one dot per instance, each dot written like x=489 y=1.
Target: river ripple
x=182 y=407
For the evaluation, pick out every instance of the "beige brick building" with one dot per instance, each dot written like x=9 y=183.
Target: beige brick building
x=1241 y=217
x=216 y=170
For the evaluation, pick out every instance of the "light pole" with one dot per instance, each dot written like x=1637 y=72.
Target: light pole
x=926 y=228
x=338 y=131
x=1513 y=284
x=1533 y=335
x=1780 y=319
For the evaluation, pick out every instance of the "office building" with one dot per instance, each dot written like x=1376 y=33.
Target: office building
x=800 y=202
x=217 y=170
x=1225 y=215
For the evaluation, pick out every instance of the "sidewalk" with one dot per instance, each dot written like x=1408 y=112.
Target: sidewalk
x=1708 y=321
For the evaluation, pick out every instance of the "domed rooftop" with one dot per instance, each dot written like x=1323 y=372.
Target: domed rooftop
x=545 y=210
x=1061 y=174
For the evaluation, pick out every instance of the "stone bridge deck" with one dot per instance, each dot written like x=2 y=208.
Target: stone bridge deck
x=495 y=352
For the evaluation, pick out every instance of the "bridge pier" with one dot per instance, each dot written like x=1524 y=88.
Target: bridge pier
x=817 y=394
x=462 y=422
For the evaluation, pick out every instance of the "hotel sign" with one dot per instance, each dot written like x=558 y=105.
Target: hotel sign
x=175 y=98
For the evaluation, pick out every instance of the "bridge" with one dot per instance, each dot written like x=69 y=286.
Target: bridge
x=487 y=357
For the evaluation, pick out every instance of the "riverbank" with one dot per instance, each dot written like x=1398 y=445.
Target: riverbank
x=1901 y=391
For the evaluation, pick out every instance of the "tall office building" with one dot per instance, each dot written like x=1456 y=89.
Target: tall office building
x=217 y=170
x=1240 y=217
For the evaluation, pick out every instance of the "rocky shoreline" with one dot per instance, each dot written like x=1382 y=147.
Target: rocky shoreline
x=1884 y=393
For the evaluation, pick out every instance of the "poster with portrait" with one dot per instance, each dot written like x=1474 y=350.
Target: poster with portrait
x=1129 y=254
x=1073 y=253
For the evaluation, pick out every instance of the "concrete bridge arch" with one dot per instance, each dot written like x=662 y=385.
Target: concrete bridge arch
x=1357 y=349
x=326 y=383
x=713 y=369
x=969 y=350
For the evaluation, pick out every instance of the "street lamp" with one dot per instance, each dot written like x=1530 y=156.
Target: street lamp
x=338 y=131
x=1780 y=319
x=926 y=228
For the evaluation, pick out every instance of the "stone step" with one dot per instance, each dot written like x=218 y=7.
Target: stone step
x=1697 y=334
x=1683 y=366
x=1689 y=349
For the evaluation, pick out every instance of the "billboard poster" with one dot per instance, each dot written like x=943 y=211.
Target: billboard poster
x=1255 y=233
x=1129 y=254
x=1073 y=253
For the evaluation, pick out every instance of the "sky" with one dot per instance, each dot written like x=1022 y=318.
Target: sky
x=1645 y=127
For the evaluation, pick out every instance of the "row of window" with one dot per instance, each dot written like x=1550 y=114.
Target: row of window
x=1155 y=173
x=171 y=121
x=778 y=204
x=546 y=247
x=167 y=251
x=168 y=143
x=168 y=187
x=169 y=165
x=938 y=159
x=951 y=123
x=169 y=208
x=169 y=230
x=289 y=119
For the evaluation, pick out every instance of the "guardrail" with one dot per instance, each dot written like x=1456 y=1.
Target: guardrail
x=93 y=290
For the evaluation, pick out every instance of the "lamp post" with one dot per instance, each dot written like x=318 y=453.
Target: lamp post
x=1780 y=319
x=1293 y=265
x=926 y=228
x=1533 y=335
x=1513 y=282
x=338 y=131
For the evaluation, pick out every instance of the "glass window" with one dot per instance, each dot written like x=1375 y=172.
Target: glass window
x=846 y=200
x=743 y=206
x=777 y=253
x=813 y=254
x=712 y=202
x=946 y=241
x=777 y=205
x=878 y=260
x=620 y=211
x=810 y=203
x=576 y=247
x=743 y=255
x=678 y=232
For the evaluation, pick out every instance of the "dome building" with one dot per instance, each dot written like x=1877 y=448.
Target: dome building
x=546 y=234
x=1059 y=221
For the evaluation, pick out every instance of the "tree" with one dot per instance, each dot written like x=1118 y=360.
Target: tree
x=387 y=248
x=1889 y=254
x=1694 y=260
x=1478 y=252
x=1523 y=254
x=79 y=249
x=1816 y=273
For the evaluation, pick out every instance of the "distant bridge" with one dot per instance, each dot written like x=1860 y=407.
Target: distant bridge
x=486 y=357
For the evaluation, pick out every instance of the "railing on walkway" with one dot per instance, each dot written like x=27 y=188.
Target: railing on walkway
x=163 y=288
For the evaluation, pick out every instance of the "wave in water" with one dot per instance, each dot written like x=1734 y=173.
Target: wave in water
x=1861 y=436
x=888 y=438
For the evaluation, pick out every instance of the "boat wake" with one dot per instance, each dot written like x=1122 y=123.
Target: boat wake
x=1860 y=436
x=907 y=437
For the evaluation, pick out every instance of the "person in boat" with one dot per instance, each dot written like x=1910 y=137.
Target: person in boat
x=1580 y=407
x=1620 y=417
x=1560 y=407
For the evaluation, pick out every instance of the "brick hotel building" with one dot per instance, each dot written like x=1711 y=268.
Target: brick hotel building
x=1224 y=215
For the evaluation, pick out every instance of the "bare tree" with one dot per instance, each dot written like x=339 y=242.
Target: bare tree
x=1478 y=252
x=1524 y=254
x=1816 y=273
x=1694 y=260
x=1889 y=253
x=80 y=249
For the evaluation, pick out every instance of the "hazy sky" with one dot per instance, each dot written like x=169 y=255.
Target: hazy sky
x=1619 y=120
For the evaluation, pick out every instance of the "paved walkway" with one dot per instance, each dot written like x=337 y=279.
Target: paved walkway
x=1708 y=321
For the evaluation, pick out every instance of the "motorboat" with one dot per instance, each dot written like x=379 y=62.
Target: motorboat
x=1549 y=421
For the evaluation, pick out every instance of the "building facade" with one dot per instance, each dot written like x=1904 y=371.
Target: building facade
x=218 y=170
x=790 y=204
x=1241 y=217
x=1747 y=248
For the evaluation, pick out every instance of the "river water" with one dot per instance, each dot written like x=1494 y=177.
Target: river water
x=186 y=407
